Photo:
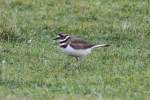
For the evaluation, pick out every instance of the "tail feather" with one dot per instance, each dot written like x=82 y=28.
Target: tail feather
x=102 y=45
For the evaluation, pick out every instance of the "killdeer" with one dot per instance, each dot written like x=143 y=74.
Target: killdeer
x=75 y=46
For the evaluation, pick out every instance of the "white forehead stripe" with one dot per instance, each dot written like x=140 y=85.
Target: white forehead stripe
x=58 y=36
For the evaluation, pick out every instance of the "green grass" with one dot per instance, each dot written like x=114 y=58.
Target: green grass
x=38 y=70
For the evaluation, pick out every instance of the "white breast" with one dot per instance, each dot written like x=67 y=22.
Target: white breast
x=76 y=52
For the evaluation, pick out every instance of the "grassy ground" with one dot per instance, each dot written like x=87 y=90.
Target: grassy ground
x=32 y=67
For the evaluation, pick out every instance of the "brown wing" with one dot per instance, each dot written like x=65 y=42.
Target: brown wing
x=78 y=43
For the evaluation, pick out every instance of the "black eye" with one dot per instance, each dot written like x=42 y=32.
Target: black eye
x=62 y=34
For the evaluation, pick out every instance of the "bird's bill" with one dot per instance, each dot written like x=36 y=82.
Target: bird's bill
x=57 y=38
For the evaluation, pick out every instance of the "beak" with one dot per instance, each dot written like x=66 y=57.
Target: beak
x=56 y=38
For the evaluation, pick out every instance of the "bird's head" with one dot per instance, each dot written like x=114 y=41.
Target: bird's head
x=61 y=36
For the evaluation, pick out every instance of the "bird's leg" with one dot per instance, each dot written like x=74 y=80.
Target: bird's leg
x=77 y=64
x=77 y=59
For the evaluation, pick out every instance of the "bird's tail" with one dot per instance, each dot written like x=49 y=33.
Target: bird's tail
x=99 y=46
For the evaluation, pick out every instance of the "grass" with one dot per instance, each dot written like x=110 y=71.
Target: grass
x=32 y=67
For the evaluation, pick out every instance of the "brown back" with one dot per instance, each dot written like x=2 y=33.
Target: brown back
x=78 y=43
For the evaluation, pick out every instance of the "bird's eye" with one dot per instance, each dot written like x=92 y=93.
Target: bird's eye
x=62 y=34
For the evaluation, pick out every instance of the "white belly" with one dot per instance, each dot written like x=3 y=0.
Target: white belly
x=76 y=52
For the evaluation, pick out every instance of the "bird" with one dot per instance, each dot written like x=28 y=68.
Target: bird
x=75 y=46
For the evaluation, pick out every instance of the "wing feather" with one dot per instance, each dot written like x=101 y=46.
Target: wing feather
x=78 y=43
